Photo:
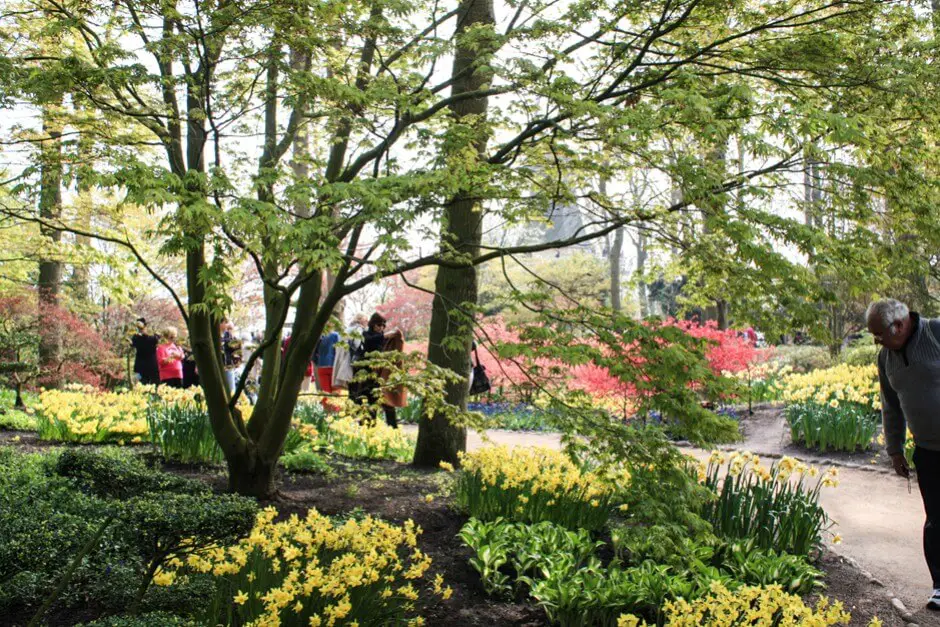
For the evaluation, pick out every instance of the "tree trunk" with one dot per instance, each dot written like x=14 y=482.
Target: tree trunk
x=250 y=475
x=641 y=253
x=80 y=278
x=18 y=403
x=50 y=210
x=451 y=332
x=721 y=313
x=616 y=255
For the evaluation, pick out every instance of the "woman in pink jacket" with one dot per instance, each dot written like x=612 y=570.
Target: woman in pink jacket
x=170 y=359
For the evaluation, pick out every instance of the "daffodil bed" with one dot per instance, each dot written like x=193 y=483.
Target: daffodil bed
x=337 y=537
x=833 y=409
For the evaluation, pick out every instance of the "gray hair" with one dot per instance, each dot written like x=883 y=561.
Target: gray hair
x=887 y=311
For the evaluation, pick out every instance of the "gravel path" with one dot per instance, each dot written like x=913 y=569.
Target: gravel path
x=879 y=521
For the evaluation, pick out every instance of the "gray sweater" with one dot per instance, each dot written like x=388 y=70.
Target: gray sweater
x=910 y=388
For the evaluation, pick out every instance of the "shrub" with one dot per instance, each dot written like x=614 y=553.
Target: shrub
x=532 y=485
x=365 y=571
x=177 y=525
x=45 y=522
x=840 y=427
x=745 y=606
x=120 y=475
x=803 y=358
x=16 y=420
x=305 y=461
x=861 y=355
x=525 y=549
x=778 y=509
x=182 y=431
x=150 y=619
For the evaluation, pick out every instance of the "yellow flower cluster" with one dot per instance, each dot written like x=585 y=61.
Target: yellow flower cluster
x=832 y=386
x=90 y=414
x=539 y=470
x=313 y=571
x=781 y=471
x=349 y=437
x=749 y=605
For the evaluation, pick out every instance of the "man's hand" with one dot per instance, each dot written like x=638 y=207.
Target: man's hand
x=900 y=465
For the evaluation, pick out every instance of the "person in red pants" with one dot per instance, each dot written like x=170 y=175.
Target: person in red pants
x=324 y=355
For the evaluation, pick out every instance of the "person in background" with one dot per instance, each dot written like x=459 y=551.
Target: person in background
x=145 y=354
x=374 y=340
x=324 y=355
x=190 y=372
x=170 y=359
x=395 y=396
x=308 y=374
x=909 y=377
x=231 y=353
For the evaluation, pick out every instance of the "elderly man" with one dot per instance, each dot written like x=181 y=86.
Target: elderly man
x=909 y=374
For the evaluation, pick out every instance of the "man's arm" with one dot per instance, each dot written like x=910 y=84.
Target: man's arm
x=891 y=415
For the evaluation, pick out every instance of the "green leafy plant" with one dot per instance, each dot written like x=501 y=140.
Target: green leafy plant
x=118 y=474
x=841 y=427
x=746 y=563
x=181 y=431
x=508 y=555
x=305 y=461
x=777 y=509
x=532 y=485
x=150 y=619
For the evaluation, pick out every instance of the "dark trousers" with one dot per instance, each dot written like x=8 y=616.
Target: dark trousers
x=927 y=464
x=176 y=382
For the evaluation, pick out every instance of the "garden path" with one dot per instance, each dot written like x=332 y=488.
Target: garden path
x=879 y=521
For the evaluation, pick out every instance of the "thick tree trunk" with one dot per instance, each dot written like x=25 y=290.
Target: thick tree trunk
x=251 y=475
x=50 y=210
x=451 y=332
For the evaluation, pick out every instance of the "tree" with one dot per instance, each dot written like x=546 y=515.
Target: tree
x=394 y=146
x=84 y=357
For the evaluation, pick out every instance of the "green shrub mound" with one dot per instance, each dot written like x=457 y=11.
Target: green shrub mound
x=51 y=505
x=150 y=619
x=119 y=474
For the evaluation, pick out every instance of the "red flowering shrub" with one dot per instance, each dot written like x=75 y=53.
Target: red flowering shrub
x=408 y=309
x=84 y=357
x=729 y=352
